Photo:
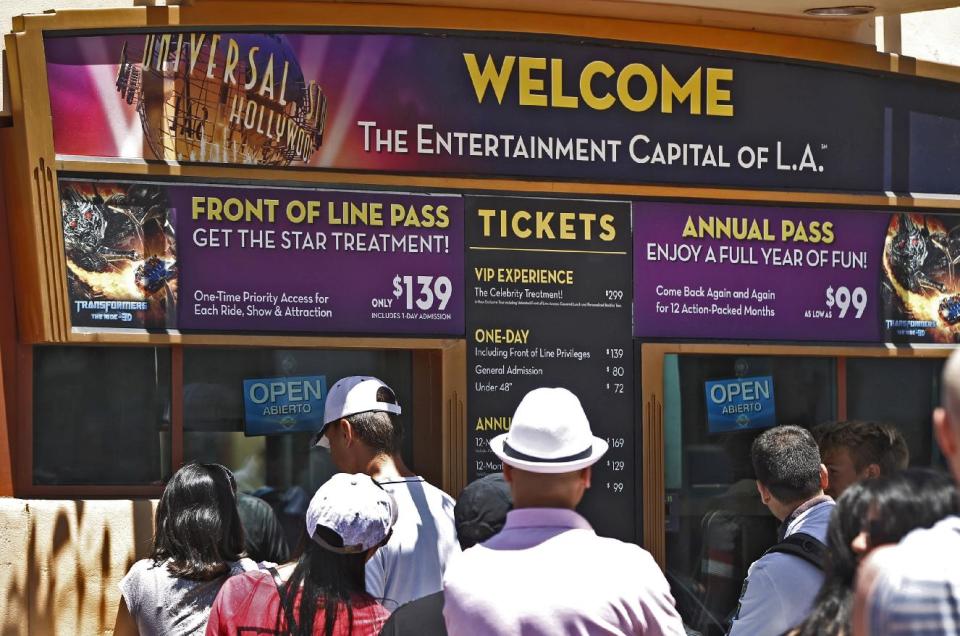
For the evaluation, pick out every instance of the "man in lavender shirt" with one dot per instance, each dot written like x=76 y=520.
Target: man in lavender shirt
x=547 y=572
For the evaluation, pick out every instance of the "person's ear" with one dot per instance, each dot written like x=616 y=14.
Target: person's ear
x=345 y=429
x=824 y=477
x=507 y=473
x=942 y=431
x=872 y=471
x=765 y=495
x=586 y=475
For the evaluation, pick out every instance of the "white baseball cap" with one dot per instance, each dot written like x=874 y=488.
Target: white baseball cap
x=356 y=508
x=549 y=434
x=349 y=396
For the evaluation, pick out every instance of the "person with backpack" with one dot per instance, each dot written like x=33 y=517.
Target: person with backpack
x=781 y=585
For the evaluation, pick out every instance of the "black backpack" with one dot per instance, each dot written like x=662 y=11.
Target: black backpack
x=803 y=546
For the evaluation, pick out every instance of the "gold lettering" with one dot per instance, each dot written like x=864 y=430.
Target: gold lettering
x=490 y=75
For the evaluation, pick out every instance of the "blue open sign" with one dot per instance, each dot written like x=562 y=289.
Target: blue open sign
x=283 y=405
x=740 y=404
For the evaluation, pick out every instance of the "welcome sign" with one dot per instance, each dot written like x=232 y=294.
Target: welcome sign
x=499 y=105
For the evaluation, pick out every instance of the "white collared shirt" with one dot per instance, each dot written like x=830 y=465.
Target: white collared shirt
x=548 y=573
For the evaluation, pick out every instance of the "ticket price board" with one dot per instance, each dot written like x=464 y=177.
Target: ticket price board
x=548 y=304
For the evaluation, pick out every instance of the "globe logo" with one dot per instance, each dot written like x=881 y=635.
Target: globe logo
x=223 y=98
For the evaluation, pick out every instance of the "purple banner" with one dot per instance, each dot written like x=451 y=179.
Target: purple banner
x=236 y=258
x=263 y=259
x=499 y=105
x=718 y=272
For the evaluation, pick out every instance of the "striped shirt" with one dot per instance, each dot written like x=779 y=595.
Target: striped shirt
x=916 y=585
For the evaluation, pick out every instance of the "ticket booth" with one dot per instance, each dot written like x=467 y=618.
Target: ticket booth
x=217 y=210
x=712 y=524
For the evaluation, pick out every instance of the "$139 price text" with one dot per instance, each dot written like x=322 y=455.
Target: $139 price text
x=422 y=292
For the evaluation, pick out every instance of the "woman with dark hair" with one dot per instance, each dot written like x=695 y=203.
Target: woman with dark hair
x=868 y=514
x=324 y=594
x=197 y=544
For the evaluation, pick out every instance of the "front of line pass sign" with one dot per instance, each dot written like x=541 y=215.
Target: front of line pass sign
x=740 y=404
x=283 y=405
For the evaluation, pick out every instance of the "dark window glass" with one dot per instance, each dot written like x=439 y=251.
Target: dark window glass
x=101 y=415
x=281 y=465
x=716 y=523
x=902 y=392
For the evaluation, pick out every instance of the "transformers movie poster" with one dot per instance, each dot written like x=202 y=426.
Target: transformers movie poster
x=921 y=288
x=121 y=253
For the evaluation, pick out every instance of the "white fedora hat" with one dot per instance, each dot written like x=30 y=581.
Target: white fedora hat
x=549 y=434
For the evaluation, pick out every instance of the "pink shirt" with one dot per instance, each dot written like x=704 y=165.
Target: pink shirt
x=548 y=573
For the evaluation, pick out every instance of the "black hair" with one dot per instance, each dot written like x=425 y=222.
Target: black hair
x=832 y=606
x=481 y=509
x=787 y=461
x=867 y=442
x=915 y=498
x=381 y=431
x=197 y=525
x=322 y=578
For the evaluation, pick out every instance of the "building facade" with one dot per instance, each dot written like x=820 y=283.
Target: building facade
x=216 y=210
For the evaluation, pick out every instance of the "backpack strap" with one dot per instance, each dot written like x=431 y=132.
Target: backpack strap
x=803 y=546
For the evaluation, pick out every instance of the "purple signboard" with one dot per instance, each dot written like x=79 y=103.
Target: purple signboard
x=499 y=105
x=237 y=258
x=264 y=259
x=723 y=271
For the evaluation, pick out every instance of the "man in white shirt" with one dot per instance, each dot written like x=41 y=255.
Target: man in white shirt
x=547 y=573
x=780 y=587
x=914 y=588
x=363 y=432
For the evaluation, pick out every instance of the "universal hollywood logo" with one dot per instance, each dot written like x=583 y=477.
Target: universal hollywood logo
x=238 y=98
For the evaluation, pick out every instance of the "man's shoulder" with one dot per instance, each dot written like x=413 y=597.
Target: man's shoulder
x=782 y=568
x=415 y=484
x=581 y=544
x=622 y=550
x=944 y=534
x=915 y=581
x=926 y=553
x=437 y=493
x=814 y=522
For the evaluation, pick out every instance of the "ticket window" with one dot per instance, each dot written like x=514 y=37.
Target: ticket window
x=716 y=525
x=101 y=417
x=117 y=421
x=282 y=464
